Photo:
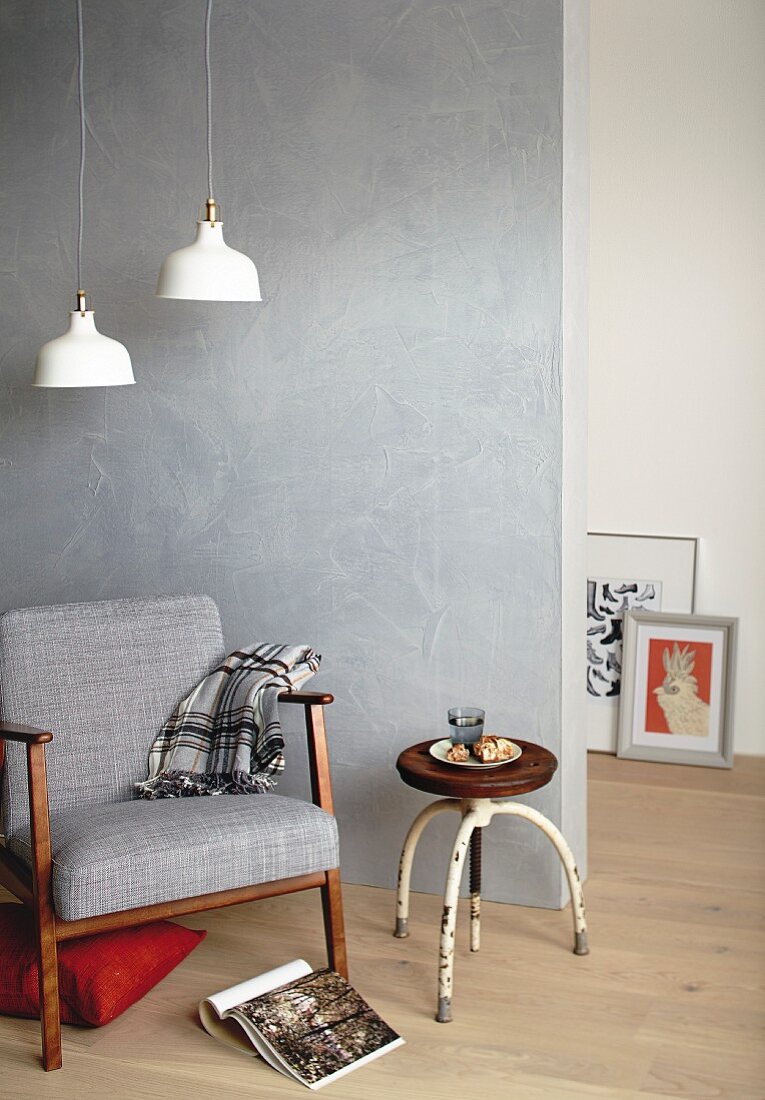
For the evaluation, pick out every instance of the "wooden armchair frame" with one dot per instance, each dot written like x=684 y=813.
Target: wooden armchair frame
x=34 y=888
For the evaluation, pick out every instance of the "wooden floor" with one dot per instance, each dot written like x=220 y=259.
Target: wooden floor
x=669 y=1003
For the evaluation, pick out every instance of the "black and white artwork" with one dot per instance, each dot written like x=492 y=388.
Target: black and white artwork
x=607 y=600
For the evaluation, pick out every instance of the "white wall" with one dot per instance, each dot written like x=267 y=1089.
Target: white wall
x=677 y=316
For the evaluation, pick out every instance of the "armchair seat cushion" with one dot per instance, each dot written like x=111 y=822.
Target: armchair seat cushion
x=128 y=854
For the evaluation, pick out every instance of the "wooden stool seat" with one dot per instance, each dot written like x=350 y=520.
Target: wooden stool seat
x=534 y=769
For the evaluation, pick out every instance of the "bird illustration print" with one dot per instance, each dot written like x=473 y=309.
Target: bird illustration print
x=678 y=695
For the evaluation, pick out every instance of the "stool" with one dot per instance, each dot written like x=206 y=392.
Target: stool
x=477 y=794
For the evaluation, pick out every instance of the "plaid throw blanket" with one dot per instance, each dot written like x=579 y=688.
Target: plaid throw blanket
x=225 y=738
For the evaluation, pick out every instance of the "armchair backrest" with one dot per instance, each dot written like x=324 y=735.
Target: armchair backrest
x=103 y=678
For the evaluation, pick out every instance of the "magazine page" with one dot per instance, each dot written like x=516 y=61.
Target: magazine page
x=236 y=1030
x=318 y=1027
x=241 y=1033
x=214 y=1011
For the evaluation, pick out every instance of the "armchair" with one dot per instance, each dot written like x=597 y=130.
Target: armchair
x=98 y=680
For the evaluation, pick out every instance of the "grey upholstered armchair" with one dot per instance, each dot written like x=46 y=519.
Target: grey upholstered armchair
x=92 y=684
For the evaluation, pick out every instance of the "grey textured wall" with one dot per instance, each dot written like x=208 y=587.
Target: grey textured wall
x=370 y=460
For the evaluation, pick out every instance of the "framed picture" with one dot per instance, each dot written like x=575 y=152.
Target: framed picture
x=626 y=573
x=677 y=689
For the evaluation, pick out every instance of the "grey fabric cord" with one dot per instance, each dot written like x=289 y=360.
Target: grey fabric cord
x=81 y=96
x=208 y=75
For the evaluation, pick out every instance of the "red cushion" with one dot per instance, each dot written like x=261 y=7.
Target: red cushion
x=98 y=976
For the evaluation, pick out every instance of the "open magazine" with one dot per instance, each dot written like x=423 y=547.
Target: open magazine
x=311 y=1025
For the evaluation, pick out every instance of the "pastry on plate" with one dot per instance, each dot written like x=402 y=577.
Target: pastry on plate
x=458 y=754
x=491 y=750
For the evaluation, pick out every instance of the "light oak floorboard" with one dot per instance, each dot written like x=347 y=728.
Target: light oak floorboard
x=670 y=1002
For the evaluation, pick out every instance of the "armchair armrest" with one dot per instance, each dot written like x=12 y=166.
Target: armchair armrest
x=27 y=735
x=318 y=755
x=35 y=741
x=307 y=698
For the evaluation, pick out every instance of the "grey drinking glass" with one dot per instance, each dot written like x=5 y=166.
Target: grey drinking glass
x=466 y=725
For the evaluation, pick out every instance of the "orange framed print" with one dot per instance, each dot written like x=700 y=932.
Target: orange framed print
x=677 y=685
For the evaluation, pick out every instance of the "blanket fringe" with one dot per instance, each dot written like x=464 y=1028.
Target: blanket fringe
x=193 y=784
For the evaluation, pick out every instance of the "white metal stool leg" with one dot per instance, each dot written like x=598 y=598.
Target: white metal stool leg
x=407 y=858
x=449 y=918
x=554 y=834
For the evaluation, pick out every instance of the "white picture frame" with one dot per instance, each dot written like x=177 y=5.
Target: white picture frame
x=665 y=563
x=677 y=689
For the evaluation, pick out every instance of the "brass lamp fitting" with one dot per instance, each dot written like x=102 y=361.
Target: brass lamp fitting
x=212 y=211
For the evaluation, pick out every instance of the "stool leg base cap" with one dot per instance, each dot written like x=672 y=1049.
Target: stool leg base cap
x=580 y=944
x=444 y=1014
x=402 y=928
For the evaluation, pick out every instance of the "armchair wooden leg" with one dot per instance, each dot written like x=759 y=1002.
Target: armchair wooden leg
x=334 y=928
x=45 y=919
x=50 y=1018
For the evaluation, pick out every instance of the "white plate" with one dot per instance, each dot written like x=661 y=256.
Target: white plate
x=439 y=750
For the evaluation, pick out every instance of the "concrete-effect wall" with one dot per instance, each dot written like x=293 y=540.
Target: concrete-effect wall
x=370 y=461
x=677 y=371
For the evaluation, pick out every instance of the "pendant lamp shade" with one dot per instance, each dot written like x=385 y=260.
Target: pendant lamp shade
x=207 y=269
x=83 y=357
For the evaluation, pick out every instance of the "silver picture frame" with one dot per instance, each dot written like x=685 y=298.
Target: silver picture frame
x=637 y=743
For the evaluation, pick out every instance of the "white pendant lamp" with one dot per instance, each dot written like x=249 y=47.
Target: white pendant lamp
x=207 y=269
x=82 y=356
